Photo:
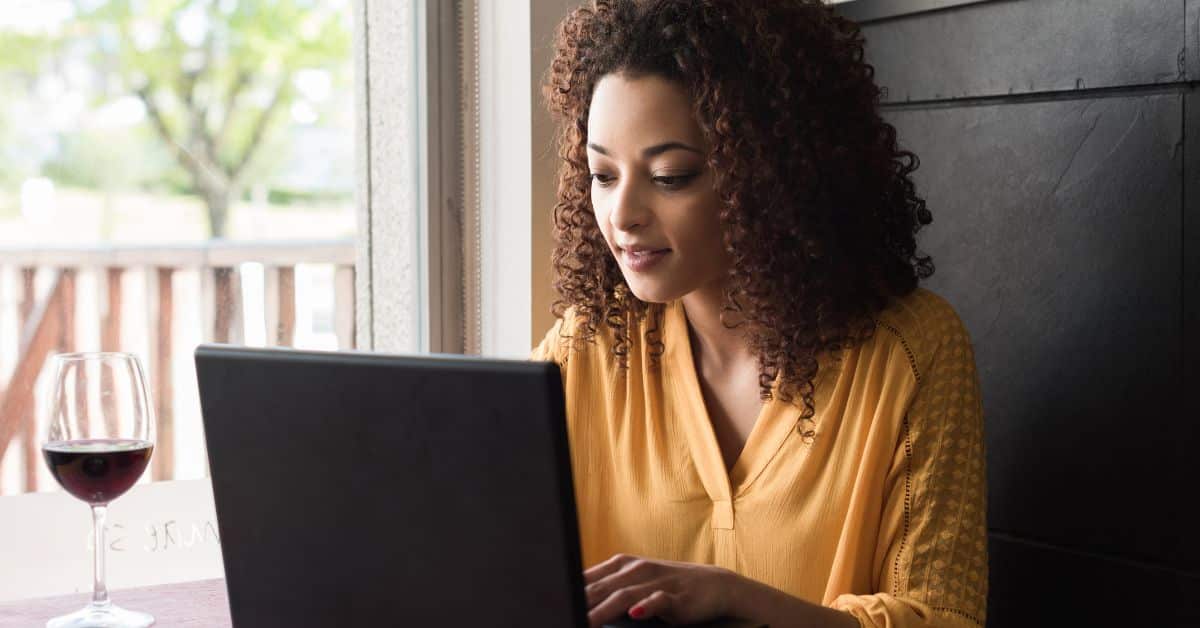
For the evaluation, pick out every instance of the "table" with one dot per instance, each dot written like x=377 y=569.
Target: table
x=202 y=604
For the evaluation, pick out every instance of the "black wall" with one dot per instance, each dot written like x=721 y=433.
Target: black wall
x=1060 y=151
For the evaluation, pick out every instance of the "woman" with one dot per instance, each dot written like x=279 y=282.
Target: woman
x=768 y=417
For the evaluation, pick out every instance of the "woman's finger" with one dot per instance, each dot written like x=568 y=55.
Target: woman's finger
x=606 y=568
x=619 y=603
x=630 y=572
x=657 y=604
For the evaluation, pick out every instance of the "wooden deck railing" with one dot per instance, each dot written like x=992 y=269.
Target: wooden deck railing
x=48 y=320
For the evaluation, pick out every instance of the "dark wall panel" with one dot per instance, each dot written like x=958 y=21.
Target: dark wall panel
x=1193 y=40
x=1034 y=585
x=1022 y=46
x=1191 y=289
x=870 y=10
x=1057 y=234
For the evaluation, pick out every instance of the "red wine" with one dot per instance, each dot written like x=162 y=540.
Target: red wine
x=98 y=470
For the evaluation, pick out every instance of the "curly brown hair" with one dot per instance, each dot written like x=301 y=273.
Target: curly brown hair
x=819 y=210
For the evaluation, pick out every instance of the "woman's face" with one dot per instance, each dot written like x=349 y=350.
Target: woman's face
x=652 y=190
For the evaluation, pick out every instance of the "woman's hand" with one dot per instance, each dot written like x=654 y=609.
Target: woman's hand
x=678 y=593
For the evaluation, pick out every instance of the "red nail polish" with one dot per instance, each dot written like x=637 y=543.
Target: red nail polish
x=637 y=612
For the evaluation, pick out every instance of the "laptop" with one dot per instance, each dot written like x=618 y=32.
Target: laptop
x=363 y=489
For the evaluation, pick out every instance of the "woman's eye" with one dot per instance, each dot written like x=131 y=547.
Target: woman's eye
x=674 y=182
x=603 y=179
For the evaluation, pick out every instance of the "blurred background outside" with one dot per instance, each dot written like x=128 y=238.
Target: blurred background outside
x=171 y=172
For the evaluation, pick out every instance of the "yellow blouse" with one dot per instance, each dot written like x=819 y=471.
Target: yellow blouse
x=875 y=506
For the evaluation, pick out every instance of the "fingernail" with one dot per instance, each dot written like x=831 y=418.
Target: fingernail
x=637 y=612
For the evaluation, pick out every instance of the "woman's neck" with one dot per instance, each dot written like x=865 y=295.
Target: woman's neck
x=718 y=346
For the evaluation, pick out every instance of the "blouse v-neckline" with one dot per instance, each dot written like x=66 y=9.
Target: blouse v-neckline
x=775 y=422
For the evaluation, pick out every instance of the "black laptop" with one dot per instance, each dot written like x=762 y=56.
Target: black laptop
x=361 y=489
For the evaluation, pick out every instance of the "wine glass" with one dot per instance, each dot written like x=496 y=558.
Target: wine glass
x=98 y=443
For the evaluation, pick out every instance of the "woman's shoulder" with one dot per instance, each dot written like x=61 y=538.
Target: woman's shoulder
x=555 y=345
x=567 y=337
x=923 y=322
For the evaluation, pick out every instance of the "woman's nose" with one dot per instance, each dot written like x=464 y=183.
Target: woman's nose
x=629 y=209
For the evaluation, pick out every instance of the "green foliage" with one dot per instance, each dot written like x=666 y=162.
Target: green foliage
x=218 y=78
x=9 y=207
x=8 y=159
x=23 y=53
x=193 y=54
x=111 y=159
x=298 y=199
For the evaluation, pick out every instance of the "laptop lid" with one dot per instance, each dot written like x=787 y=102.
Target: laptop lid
x=370 y=489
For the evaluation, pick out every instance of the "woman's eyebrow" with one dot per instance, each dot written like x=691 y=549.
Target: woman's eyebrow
x=659 y=149
x=651 y=151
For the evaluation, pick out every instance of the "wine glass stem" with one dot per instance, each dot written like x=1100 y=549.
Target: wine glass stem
x=99 y=590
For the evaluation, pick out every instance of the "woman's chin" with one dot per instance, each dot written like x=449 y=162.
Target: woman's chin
x=652 y=292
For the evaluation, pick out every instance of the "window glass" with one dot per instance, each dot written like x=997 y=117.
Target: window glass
x=171 y=172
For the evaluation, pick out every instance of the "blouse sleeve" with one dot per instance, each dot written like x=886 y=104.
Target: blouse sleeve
x=550 y=349
x=933 y=546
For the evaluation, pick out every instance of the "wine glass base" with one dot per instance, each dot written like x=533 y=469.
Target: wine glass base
x=108 y=616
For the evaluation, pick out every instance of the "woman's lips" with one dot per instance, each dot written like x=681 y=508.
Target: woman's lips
x=642 y=260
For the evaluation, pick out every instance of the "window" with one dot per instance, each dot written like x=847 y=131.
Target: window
x=357 y=222
x=171 y=173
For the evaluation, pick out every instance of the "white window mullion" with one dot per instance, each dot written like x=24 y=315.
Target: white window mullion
x=388 y=53
x=505 y=158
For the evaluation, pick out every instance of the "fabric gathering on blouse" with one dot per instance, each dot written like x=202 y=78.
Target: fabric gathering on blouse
x=875 y=505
